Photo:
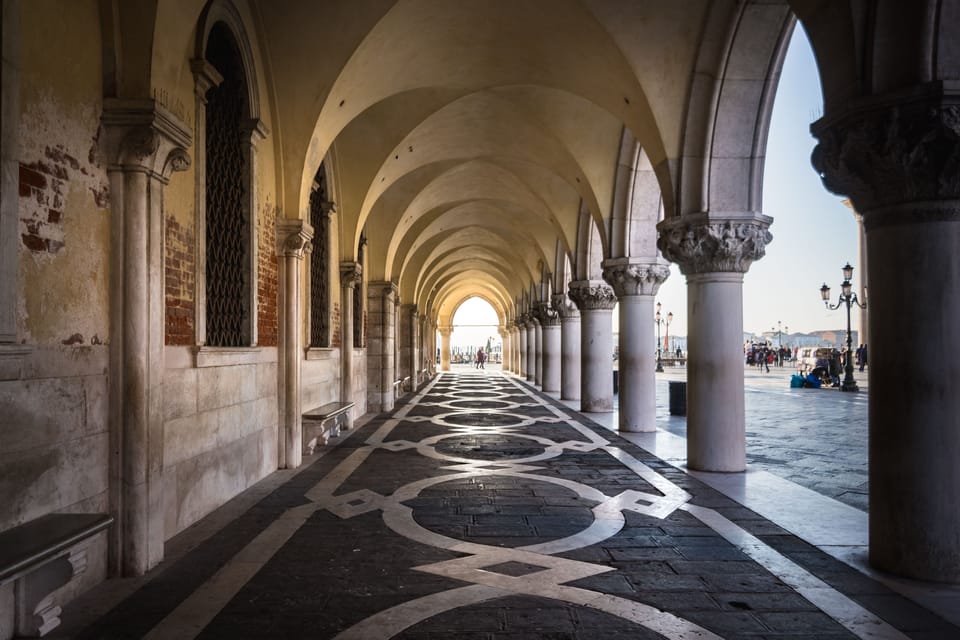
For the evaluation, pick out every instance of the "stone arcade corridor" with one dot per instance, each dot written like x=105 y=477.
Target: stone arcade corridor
x=481 y=508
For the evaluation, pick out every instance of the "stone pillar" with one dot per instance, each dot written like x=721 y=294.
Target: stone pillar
x=351 y=274
x=714 y=254
x=522 y=354
x=569 y=346
x=445 y=348
x=505 y=335
x=295 y=236
x=381 y=342
x=414 y=322
x=538 y=351
x=143 y=144
x=595 y=300
x=550 y=358
x=531 y=326
x=635 y=285
x=897 y=160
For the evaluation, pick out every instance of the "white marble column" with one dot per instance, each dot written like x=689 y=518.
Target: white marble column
x=522 y=361
x=445 y=333
x=595 y=300
x=531 y=326
x=351 y=274
x=144 y=145
x=550 y=329
x=295 y=236
x=538 y=352
x=569 y=346
x=897 y=160
x=636 y=284
x=413 y=320
x=381 y=366
x=714 y=254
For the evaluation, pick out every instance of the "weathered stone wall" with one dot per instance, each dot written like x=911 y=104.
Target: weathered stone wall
x=220 y=432
x=320 y=378
x=54 y=406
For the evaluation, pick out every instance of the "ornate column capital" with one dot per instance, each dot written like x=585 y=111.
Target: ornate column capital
x=634 y=278
x=592 y=295
x=564 y=306
x=897 y=149
x=351 y=274
x=295 y=236
x=387 y=288
x=701 y=244
x=143 y=135
x=546 y=315
x=445 y=331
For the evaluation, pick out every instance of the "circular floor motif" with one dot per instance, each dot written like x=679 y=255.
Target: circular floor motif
x=493 y=524
x=479 y=404
x=489 y=447
x=488 y=395
x=482 y=419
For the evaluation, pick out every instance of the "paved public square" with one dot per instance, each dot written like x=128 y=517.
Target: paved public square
x=482 y=508
x=816 y=438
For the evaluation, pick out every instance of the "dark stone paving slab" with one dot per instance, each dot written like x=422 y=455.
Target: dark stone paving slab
x=347 y=564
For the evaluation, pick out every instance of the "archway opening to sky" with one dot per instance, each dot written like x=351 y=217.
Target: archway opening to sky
x=814 y=233
x=475 y=326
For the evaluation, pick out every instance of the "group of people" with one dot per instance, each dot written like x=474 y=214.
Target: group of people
x=762 y=355
x=481 y=358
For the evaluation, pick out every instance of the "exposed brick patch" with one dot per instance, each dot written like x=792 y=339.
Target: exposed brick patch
x=267 y=321
x=42 y=188
x=335 y=325
x=180 y=269
x=74 y=339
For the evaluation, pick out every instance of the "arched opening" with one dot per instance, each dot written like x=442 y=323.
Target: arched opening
x=475 y=328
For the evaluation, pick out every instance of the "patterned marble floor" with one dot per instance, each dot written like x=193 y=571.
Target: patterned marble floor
x=481 y=508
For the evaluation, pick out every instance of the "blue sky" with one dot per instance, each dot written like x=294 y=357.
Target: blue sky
x=814 y=233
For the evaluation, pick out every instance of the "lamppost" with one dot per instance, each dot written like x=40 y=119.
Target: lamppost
x=848 y=298
x=658 y=319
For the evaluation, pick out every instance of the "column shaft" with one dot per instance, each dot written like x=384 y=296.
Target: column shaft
x=637 y=361
x=445 y=348
x=531 y=372
x=914 y=407
x=716 y=435
x=570 y=357
x=551 y=356
x=538 y=354
x=596 y=353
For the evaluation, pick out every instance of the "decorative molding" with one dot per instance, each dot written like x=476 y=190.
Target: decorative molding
x=351 y=274
x=700 y=244
x=546 y=315
x=383 y=288
x=564 y=306
x=295 y=236
x=592 y=295
x=634 y=279
x=231 y=356
x=900 y=149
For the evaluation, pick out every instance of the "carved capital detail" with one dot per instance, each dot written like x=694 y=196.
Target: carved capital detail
x=351 y=274
x=887 y=154
x=700 y=244
x=592 y=295
x=634 y=279
x=546 y=315
x=564 y=306
x=295 y=237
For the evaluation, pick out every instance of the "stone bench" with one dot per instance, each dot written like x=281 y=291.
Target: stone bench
x=323 y=423
x=397 y=388
x=41 y=556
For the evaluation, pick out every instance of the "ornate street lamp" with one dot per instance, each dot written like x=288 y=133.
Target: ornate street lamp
x=658 y=320
x=847 y=298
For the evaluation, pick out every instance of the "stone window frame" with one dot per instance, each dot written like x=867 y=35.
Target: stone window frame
x=321 y=234
x=206 y=77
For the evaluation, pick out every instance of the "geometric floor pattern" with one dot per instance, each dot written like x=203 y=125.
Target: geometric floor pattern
x=480 y=508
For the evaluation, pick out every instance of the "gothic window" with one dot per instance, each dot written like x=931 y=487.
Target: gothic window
x=319 y=263
x=358 y=319
x=228 y=276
